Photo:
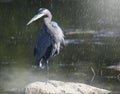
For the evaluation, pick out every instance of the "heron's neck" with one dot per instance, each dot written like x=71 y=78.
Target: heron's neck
x=47 y=19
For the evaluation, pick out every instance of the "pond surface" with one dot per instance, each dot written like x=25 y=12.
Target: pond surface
x=90 y=47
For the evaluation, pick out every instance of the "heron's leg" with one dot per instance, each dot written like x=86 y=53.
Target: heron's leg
x=47 y=72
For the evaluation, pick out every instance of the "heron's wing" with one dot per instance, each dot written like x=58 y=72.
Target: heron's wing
x=43 y=42
x=59 y=32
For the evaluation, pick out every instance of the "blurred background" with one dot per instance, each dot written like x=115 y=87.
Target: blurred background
x=91 y=54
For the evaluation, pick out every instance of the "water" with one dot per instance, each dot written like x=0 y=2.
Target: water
x=84 y=58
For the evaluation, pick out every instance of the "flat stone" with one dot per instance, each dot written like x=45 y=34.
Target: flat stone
x=59 y=87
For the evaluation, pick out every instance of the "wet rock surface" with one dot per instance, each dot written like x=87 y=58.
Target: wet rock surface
x=59 y=87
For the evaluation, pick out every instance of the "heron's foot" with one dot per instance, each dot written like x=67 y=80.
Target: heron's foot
x=47 y=81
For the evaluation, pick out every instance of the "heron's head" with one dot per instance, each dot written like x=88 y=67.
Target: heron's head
x=41 y=12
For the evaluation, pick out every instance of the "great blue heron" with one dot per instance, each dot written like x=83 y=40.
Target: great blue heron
x=48 y=40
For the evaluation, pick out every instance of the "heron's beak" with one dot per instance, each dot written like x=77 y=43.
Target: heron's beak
x=37 y=16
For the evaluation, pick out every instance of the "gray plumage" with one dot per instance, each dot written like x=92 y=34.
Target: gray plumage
x=49 y=38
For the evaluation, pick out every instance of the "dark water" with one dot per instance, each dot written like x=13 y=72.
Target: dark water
x=84 y=58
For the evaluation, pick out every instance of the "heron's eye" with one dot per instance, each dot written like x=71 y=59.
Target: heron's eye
x=45 y=16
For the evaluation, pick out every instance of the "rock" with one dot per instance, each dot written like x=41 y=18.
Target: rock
x=58 y=87
x=108 y=32
x=114 y=67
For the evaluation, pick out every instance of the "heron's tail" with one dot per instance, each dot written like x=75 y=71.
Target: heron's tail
x=43 y=63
